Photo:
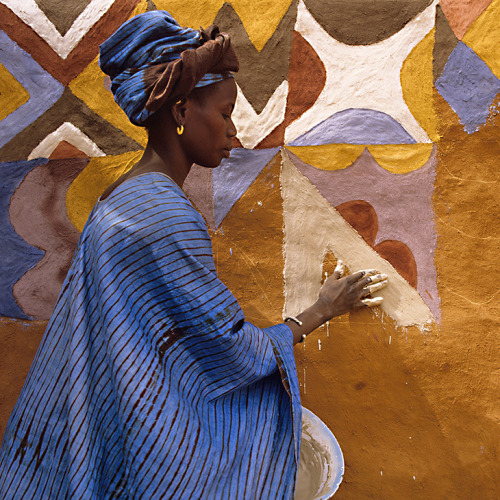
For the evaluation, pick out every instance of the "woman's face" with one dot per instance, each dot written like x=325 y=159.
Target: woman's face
x=208 y=127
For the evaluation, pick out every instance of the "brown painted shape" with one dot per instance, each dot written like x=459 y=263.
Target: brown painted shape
x=445 y=42
x=199 y=189
x=303 y=90
x=19 y=342
x=38 y=214
x=362 y=217
x=62 y=13
x=66 y=150
x=275 y=138
x=69 y=108
x=261 y=73
x=401 y=258
x=462 y=13
x=248 y=249
x=65 y=70
x=151 y=6
x=362 y=22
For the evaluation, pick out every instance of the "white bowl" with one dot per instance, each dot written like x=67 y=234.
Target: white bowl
x=321 y=464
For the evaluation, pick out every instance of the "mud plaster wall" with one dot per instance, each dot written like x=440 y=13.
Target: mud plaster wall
x=368 y=131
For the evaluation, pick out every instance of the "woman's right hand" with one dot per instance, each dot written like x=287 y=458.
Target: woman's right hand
x=337 y=296
x=341 y=295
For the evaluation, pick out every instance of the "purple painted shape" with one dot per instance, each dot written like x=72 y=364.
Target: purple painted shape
x=468 y=86
x=17 y=255
x=403 y=203
x=198 y=188
x=235 y=175
x=356 y=126
x=43 y=88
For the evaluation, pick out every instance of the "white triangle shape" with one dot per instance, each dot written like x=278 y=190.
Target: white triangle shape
x=33 y=16
x=253 y=127
x=69 y=133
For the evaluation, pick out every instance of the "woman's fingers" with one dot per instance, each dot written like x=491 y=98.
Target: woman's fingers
x=364 y=274
x=372 y=279
x=340 y=295
x=369 y=289
x=368 y=282
x=378 y=277
x=356 y=277
x=372 y=302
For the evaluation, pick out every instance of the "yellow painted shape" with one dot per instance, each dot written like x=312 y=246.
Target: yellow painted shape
x=102 y=171
x=417 y=84
x=328 y=156
x=141 y=7
x=483 y=37
x=12 y=93
x=89 y=87
x=191 y=14
x=401 y=158
x=259 y=17
x=395 y=158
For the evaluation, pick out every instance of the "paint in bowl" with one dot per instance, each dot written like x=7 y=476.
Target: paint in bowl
x=321 y=463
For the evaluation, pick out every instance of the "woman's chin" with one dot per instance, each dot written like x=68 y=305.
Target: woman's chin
x=215 y=162
x=210 y=164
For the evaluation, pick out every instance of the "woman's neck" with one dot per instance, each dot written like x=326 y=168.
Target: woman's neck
x=157 y=158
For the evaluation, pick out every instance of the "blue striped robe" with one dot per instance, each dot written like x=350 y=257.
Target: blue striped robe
x=148 y=382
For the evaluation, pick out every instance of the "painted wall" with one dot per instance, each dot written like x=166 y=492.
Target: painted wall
x=368 y=131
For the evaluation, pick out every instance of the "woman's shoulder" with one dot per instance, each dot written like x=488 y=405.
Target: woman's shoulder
x=144 y=200
x=148 y=191
x=149 y=184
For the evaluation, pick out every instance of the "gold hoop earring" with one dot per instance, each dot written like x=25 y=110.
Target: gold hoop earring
x=180 y=129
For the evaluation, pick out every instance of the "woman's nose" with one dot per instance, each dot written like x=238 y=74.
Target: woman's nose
x=231 y=130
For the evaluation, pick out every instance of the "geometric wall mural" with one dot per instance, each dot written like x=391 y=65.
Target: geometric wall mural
x=58 y=105
x=368 y=131
x=352 y=105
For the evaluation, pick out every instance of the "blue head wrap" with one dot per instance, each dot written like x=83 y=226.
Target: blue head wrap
x=151 y=59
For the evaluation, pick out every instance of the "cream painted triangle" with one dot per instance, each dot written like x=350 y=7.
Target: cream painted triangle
x=252 y=126
x=69 y=133
x=29 y=12
x=313 y=227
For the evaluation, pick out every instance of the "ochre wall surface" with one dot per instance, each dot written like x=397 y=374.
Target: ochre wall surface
x=369 y=132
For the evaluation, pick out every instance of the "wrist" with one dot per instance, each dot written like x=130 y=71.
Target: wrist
x=322 y=310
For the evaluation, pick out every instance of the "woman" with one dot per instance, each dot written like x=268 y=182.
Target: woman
x=148 y=382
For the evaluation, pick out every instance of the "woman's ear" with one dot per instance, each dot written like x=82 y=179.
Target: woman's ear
x=179 y=111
